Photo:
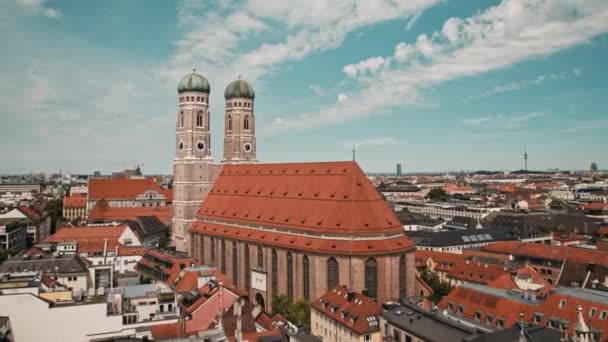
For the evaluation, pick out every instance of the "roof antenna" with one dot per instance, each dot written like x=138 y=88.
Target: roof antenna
x=239 y=77
x=354 y=152
x=194 y=70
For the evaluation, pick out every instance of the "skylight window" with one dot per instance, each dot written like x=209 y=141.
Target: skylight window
x=466 y=239
x=473 y=238
x=488 y=237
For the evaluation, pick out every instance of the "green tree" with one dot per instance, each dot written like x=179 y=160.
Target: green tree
x=436 y=194
x=55 y=209
x=295 y=312
x=440 y=288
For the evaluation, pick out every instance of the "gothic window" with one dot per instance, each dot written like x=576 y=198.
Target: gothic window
x=289 y=276
x=246 y=122
x=199 y=119
x=260 y=258
x=235 y=268
x=275 y=273
x=198 y=98
x=306 y=277
x=371 y=277
x=229 y=123
x=332 y=273
x=247 y=268
x=402 y=275
x=212 y=251
x=223 y=261
x=181 y=119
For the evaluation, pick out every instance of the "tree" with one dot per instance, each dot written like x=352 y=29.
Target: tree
x=440 y=288
x=4 y=254
x=55 y=209
x=436 y=194
x=295 y=312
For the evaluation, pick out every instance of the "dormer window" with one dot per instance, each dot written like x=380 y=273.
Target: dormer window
x=562 y=303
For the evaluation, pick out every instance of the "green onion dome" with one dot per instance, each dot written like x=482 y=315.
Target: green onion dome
x=193 y=82
x=239 y=88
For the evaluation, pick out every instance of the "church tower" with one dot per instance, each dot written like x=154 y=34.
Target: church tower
x=193 y=171
x=239 y=124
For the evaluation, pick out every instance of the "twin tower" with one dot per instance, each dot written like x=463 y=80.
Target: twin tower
x=193 y=169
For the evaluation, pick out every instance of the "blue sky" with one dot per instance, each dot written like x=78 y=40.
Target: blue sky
x=435 y=85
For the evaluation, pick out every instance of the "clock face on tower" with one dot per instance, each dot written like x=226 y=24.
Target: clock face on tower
x=247 y=147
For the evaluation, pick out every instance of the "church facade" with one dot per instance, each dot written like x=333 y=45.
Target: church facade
x=293 y=229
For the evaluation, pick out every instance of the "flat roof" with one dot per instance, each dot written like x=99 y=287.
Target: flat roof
x=425 y=325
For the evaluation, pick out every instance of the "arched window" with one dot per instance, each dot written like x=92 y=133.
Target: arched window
x=402 y=275
x=260 y=258
x=371 y=278
x=223 y=252
x=306 y=277
x=289 y=276
x=333 y=270
x=247 y=267
x=235 y=266
x=229 y=123
x=275 y=273
x=181 y=119
x=212 y=251
x=199 y=119
x=246 y=122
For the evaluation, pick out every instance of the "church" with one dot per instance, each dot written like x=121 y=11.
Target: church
x=293 y=229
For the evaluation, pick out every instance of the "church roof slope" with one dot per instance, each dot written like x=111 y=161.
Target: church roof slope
x=323 y=197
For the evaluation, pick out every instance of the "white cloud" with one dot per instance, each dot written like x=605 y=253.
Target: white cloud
x=38 y=7
x=342 y=97
x=412 y=22
x=494 y=38
x=317 y=89
x=518 y=85
x=368 y=67
x=369 y=142
x=501 y=121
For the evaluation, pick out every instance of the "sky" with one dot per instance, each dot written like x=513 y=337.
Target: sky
x=436 y=85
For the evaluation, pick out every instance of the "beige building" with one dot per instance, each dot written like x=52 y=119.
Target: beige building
x=343 y=316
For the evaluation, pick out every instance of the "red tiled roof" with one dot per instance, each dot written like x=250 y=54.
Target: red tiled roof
x=121 y=188
x=548 y=252
x=255 y=336
x=477 y=272
x=507 y=281
x=29 y=212
x=329 y=197
x=455 y=188
x=345 y=308
x=168 y=331
x=560 y=306
x=75 y=201
x=444 y=261
x=103 y=212
x=307 y=243
x=594 y=206
x=77 y=233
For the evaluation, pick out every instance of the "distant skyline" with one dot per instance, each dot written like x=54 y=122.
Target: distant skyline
x=435 y=85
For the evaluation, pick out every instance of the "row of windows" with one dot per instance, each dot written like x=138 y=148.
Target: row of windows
x=199 y=119
x=333 y=270
x=238 y=104
x=192 y=99
x=245 y=123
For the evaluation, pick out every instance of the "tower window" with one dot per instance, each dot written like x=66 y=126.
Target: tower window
x=199 y=119
x=223 y=261
x=246 y=122
x=332 y=273
x=198 y=98
x=260 y=258
x=306 y=277
x=275 y=273
x=181 y=119
x=229 y=123
x=371 y=277
x=289 y=276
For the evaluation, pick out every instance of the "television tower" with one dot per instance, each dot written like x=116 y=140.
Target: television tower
x=526 y=158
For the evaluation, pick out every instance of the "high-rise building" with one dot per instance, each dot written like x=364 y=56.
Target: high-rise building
x=398 y=169
x=593 y=167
